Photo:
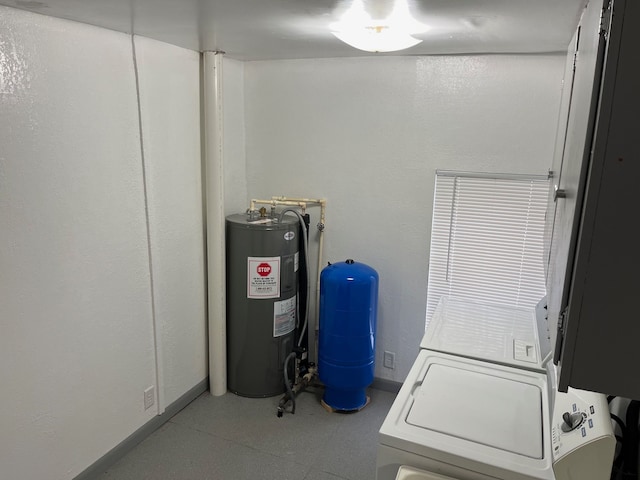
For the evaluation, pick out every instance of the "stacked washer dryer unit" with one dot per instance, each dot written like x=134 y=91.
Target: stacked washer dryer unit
x=478 y=405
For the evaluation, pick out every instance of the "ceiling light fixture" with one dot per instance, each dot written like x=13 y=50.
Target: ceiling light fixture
x=358 y=29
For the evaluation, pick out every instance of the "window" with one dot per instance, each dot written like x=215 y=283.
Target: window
x=487 y=239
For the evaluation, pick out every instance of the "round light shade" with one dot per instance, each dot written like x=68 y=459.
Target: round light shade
x=358 y=29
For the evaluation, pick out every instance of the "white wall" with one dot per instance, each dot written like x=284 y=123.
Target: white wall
x=77 y=344
x=369 y=133
x=169 y=80
x=233 y=139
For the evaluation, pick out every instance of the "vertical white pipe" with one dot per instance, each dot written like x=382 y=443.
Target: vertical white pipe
x=313 y=348
x=214 y=174
x=314 y=353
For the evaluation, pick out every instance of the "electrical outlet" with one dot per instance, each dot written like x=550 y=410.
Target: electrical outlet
x=149 y=397
x=389 y=360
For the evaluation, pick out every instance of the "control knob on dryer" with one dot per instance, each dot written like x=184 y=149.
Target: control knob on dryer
x=571 y=421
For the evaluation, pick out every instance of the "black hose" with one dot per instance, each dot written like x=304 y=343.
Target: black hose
x=305 y=242
x=631 y=442
x=619 y=421
x=619 y=458
x=303 y=331
x=288 y=383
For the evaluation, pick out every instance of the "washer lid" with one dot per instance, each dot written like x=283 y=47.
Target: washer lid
x=480 y=407
x=481 y=400
x=500 y=334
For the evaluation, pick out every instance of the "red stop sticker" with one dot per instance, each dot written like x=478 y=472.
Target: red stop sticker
x=264 y=269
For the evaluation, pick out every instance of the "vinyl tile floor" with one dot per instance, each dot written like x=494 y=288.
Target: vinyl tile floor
x=238 y=438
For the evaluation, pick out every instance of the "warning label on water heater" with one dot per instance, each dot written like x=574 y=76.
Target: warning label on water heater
x=284 y=316
x=263 y=277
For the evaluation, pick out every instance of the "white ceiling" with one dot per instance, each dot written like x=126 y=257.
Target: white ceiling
x=277 y=29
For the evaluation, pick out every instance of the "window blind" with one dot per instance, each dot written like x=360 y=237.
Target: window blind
x=487 y=239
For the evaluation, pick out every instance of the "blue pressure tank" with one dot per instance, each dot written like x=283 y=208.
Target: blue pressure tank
x=347 y=341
